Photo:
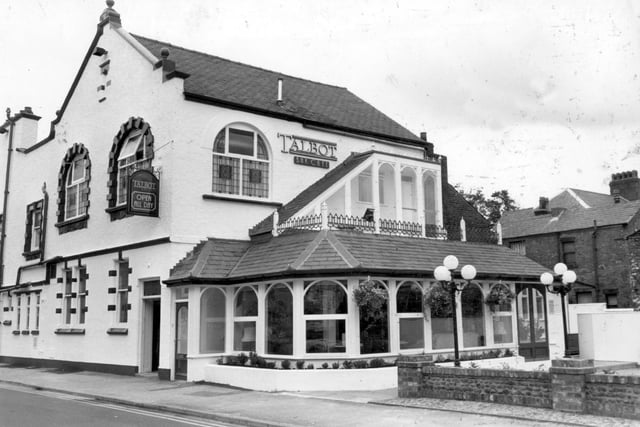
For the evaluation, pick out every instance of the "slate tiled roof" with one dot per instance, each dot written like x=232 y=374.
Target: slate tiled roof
x=592 y=199
x=314 y=190
x=242 y=85
x=343 y=252
x=523 y=222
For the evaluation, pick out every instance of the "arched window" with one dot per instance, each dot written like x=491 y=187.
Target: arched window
x=472 y=306
x=240 y=162
x=325 y=313
x=429 y=186
x=73 y=186
x=212 y=321
x=502 y=315
x=279 y=333
x=409 y=308
x=374 y=327
x=409 y=195
x=244 y=321
x=132 y=150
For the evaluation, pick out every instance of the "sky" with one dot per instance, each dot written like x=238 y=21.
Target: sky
x=532 y=97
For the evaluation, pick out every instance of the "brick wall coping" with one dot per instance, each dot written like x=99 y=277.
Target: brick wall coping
x=480 y=372
x=572 y=371
x=613 y=379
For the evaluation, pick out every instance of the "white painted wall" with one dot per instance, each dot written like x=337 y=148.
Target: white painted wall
x=575 y=309
x=610 y=336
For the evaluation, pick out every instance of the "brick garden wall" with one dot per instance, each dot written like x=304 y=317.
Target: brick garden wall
x=571 y=385
x=617 y=396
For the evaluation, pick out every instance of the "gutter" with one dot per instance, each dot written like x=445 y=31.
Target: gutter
x=5 y=201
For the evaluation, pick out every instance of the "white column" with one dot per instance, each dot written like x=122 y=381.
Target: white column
x=427 y=321
x=394 y=322
x=499 y=232
x=420 y=201
x=193 y=321
x=353 y=320
x=397 y=178
x=463 y=230
x=324 y=216
x=298 y=321
x=261 y=322
x=276 y=220
x=228 y=324
x=347 y=197
x=167 y=329
x=375 y=182
x=438 y=197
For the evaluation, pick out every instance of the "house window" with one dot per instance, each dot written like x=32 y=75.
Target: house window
x=472 y=307
x=240 y=163
x=18 y=311
x=411 y=319
x=584 y=297
x=82 y=293
x=569 y=253
x=212 y=321
x=37 y=323
x=519 y=247
x=429 y=188
x=74 y=184
x=611 y=299
x=28 y=316
x=325 y=313
x=67 y=295
x=132 y=150
x=33 y=234
x=123 y=290
x=135 y=154
x=279 y=333
x=245 y=317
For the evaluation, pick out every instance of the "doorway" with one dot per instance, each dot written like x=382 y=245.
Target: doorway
x=151 y=335
x=182 y=325
x=533 y=336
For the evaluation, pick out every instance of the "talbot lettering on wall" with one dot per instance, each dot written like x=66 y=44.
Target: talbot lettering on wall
x=144 y=190
x=309 y=152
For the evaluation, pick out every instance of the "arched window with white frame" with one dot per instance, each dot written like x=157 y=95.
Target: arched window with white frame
x=240 y=162
x=325 y=314
x=73 y=187
x=279 y=324
x=245 y=316
x=410 y=315
x=472 y=307
x=212 y=321
x=429 y=188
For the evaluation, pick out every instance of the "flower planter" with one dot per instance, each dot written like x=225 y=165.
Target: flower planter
x=514 y=362
x=302 y=379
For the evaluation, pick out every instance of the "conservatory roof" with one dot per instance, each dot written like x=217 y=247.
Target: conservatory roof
x=329 y=252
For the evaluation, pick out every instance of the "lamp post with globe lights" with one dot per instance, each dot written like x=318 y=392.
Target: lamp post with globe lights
x=561 y=284
x=444 y=275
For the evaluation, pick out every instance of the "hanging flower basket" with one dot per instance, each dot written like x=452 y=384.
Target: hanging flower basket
x=499 y=295
x=438 y=300
x=370 y=298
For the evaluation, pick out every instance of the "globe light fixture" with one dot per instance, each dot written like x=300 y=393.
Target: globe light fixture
x=444 y=274
x=560 y=283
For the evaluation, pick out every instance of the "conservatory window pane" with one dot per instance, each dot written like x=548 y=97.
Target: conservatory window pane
x=325 y=298
x=411 y=333
x=212 y=321
x=472 y=316
x=326 y=336
x=409 y=298
x=502 y=329
x=279 y=331
x=244 y=334
x=374 y=329
x=246 y=303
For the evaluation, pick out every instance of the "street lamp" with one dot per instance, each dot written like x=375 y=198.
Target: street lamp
x=444 y=275
x=560 y=284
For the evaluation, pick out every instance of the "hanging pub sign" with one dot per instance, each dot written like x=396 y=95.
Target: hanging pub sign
x=144 y=189
x=309 y=152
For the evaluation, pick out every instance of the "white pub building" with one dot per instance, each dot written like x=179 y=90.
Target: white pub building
x=185 y=207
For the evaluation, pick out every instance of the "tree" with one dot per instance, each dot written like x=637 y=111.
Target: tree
x=492 y=207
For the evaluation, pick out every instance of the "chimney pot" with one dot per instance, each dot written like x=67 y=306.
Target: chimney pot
x=543 y=207
x=625 y=185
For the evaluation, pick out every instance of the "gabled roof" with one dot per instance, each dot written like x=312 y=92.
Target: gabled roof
x=342 y=253
x=236 y=85
x=573 y=197
x=310 y=193
x=523 y=222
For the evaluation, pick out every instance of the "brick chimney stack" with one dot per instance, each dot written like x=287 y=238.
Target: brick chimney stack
x=625 y=184
x=25 y=133
x=543 y=207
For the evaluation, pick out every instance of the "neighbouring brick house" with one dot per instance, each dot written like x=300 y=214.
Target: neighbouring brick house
x=595 y=234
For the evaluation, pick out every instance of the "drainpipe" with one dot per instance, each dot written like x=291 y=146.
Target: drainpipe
x=45 y=208
x=594 y=246
x=5 y=201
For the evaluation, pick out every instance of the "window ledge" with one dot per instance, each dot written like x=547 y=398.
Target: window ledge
x=35 y=332
x=72 y=224
x=118 y=331
x=15 y=332
x=24 y=332
x=7 y=323
x=69 y=331
x=117 y=212
x=241 y=200
x=31 y=255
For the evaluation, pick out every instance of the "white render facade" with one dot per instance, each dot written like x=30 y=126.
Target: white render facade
x=83 y=282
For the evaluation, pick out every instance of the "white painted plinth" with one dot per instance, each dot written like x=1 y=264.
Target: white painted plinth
x=302 y=379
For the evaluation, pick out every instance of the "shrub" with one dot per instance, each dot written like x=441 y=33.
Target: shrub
x=253 y=358
x=438 y=301
x=347 y=364
x=360 y=364
x=335 y=365
x=299 y=364
x=285 y=364
x=220 y=361
x=371 y=299
x=377 y=363
x=310 y=366
x=261 y=362
x=508 y=353
x=270 y=365
x=474 y=365
x=242 y=359
x=325 y=365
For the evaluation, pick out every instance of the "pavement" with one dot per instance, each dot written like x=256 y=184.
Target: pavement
x=287 y=409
